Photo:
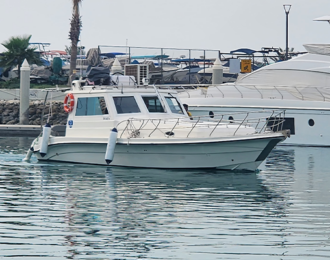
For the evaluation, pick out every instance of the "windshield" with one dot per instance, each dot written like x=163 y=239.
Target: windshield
x=174 y=105
x=153 y=104
x=91 y=106
x=126 y=105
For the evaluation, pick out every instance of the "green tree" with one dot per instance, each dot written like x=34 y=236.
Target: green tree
x=74 y=37
x=17 y=51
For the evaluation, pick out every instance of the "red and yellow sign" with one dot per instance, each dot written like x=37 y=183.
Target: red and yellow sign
x=245 y=66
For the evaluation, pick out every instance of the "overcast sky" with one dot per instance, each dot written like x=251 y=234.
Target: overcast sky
x=193 y=24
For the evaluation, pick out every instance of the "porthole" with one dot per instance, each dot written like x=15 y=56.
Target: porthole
x=311 y=122
x=231 y=119
x=211 y=114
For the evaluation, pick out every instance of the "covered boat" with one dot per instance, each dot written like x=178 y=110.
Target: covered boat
x=123 y=124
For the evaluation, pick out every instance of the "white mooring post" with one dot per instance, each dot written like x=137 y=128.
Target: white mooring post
x=116 y=67
x=24 y=94
x=217 y=75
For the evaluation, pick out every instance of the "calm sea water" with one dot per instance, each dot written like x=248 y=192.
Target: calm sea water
x=66 y=211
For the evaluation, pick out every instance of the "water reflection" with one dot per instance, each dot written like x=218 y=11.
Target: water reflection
x=77 y=211
x=301 y=175
x=16 y=145
x=132 y=208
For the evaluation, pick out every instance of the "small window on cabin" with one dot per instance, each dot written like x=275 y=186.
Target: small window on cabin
x=91 y=106
x=311 y=122
x=174 y=105
x=126 y=105
x=153 y=104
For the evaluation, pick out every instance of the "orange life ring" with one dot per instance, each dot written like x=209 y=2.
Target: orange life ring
x=68 y=106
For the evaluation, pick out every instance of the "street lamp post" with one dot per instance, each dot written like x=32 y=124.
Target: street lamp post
x=287 y=11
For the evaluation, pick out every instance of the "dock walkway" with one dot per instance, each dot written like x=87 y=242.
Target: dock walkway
x=20 y=130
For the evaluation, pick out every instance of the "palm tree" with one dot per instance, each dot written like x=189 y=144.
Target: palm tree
x=80 y=50
x=17 y=51
x=74 y=37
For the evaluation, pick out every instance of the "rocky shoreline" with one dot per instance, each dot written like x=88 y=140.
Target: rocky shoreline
x=9 y=112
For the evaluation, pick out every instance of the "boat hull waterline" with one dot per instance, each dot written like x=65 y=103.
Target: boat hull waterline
x=246 y=154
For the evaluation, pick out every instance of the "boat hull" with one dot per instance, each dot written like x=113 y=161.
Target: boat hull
x=245 y=154
x=309 y=125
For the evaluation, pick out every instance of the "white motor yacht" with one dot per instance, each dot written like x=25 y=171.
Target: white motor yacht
x=299 y=86
x=129 y=125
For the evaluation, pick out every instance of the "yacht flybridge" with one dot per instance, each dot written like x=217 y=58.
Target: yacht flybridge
x=143 y=126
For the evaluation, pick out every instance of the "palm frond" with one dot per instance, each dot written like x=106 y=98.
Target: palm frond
x=17 y=51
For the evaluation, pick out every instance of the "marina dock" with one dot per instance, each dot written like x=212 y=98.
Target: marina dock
x=20 y=130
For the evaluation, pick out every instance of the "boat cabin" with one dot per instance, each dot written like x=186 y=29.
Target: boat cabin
x=94 y=110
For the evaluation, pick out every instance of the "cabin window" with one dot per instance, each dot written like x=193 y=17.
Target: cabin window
x=174 y=105
x=153 y=104
x=311 y=122
x=126 y=105
x=91 y=106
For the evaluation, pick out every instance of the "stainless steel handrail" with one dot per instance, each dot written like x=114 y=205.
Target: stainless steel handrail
x=155 y=127
x=281 y=90
x=216 y=126
x=265 y=125
x=262 y=97
x=302 y=96
x=177 y=121
x=241 y=123
x=320 y=93
x=193 y=126
x=274 y=122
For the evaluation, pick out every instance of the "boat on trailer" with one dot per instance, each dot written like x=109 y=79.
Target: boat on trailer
x=123 y=124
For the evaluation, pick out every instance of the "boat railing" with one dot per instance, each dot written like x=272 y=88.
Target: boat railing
x=259 y=92
x=324 y=99
x=239 y=91
x=223 y=95
x=167 y=126
x=247 y=114
x=280 y=91
x=299 y=92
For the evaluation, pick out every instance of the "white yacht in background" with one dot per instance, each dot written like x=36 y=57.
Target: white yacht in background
x=300 y=86
x=142 y=126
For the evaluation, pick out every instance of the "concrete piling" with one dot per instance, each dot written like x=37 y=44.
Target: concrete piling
x=116 y=67
x=24 y=93
x=217 y=75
